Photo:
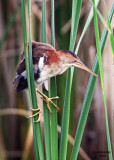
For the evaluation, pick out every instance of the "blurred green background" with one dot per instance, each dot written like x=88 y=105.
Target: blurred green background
x=16 y=139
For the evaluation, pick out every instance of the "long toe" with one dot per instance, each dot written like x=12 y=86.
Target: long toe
x=48 y=100
x=38 y=111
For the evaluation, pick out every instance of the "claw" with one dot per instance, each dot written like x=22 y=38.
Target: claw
x=48 y=100
x=47 y=105
x=38 y=110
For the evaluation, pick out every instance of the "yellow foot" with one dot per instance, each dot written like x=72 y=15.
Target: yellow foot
x=48 y=100
x=38 y=111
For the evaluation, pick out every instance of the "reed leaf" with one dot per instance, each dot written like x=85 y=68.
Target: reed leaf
x=110 y=34
x=45 y=109
x=88 y=96
x=30 y=79
x=90 y=16
x=53 y=93
x=33 y=91
x=100 y=16
x=76 y=7
x=102 y=80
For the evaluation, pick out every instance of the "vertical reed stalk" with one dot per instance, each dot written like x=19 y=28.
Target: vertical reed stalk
x=30 y=80
x=88 y=97
x=102 y=79
x=45 y=109
x=53 y=93
x=76 y=7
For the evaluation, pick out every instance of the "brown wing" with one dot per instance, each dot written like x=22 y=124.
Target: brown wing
x=38 y=50
x=21 y=67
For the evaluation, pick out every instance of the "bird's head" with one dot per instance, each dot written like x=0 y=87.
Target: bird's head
x=70 y=59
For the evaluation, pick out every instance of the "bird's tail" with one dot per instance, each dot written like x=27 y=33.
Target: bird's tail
x=20 y=83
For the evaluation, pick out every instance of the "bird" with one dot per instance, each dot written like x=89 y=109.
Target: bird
x=47 y=63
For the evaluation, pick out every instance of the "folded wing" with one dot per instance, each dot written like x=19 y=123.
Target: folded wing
x=39 y=57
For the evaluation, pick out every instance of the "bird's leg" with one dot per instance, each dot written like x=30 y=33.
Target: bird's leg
x=48 y=100
x=38 y=111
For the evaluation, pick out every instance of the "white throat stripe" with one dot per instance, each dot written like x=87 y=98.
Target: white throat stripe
x=41 y=63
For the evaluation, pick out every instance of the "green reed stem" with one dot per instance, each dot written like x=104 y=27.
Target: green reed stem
x=76 y=7
x=88 y=97
x=53 y=93
x=102 y=79
x=45 y=109
x=30 y=79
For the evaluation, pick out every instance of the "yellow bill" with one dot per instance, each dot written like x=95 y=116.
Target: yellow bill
x=79 y=64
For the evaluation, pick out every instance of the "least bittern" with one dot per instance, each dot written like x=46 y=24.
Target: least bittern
x=47 y=62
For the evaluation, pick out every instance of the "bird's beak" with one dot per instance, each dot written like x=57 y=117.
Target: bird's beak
x=79 y=64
